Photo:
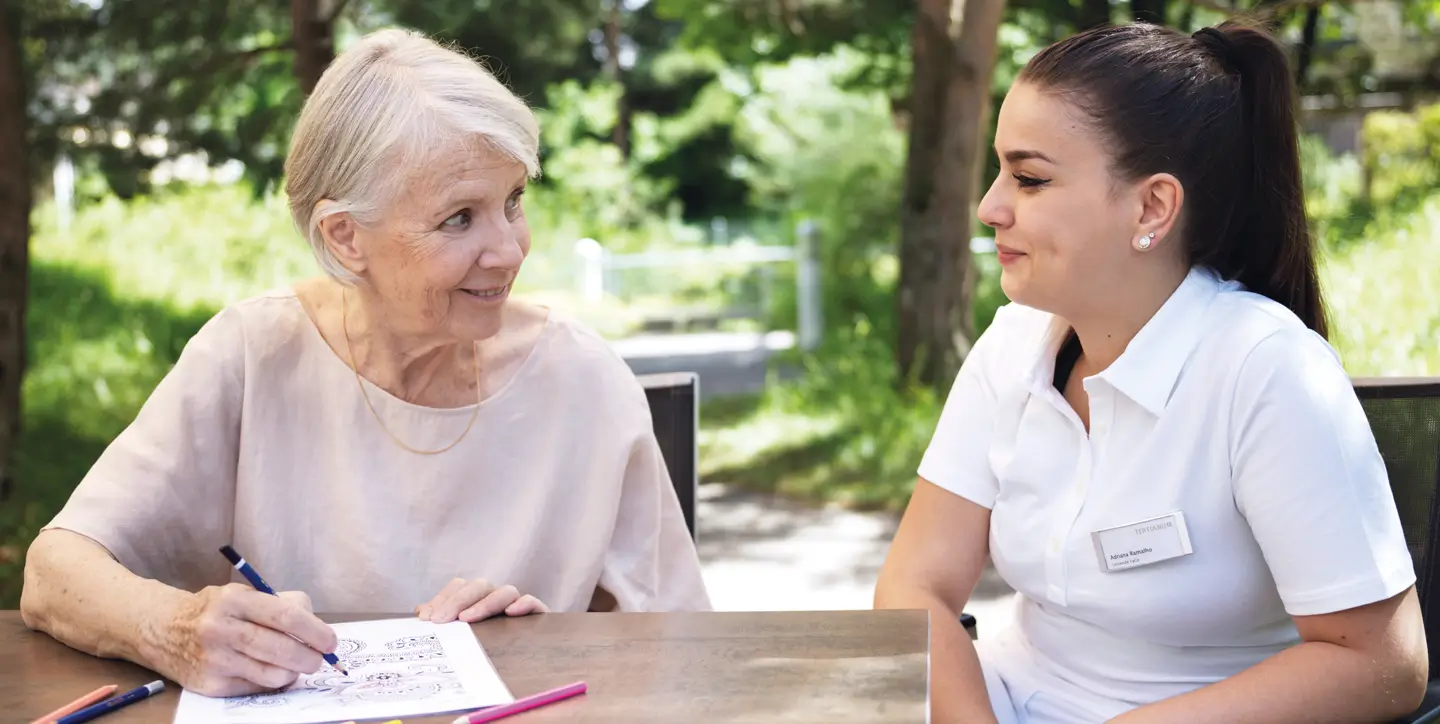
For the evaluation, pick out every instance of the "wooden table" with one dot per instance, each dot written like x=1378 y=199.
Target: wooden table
x=677 y=668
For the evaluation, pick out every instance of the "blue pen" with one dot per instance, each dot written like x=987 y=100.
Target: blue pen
x=259 y=583
x=113 y=703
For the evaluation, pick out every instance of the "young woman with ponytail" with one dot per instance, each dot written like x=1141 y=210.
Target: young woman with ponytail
x=1154 y=443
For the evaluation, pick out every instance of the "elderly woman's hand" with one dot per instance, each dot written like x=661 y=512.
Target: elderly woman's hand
x=471 y=601
x=231 y=640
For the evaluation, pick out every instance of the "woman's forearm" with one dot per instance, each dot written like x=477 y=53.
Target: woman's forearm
x=957 y=687
x=77 y=593
x=1312 y=682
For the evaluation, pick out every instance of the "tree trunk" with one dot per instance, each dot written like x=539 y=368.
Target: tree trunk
x=620 y=136
x=1187 y=17
x=949 y=112
x=14 y=235
x=1092 y=13
x=1307 y=45
x=312 y=37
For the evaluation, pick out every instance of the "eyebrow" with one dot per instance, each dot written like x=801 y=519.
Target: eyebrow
x=448 y=204
x=1019 y=155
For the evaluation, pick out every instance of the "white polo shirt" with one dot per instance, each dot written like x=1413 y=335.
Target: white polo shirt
x=1224 y=407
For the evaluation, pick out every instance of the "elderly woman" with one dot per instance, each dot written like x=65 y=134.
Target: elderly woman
x=397 y=436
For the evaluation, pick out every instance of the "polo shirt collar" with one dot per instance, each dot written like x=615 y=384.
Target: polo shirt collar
x=1148 y=369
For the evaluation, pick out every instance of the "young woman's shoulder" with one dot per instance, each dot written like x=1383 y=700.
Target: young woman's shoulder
x=1245 y=332
x=1007 y=352
x=1262 y=355
x=1018 y=324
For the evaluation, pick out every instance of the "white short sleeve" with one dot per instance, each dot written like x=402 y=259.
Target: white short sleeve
x=1310 y=481
x=958 y=458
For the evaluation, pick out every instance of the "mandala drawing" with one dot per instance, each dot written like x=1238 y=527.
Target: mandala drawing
x=397 y=668
x=396 y=673
x=402 y=650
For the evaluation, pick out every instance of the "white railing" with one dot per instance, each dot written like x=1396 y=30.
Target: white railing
x=597 y=267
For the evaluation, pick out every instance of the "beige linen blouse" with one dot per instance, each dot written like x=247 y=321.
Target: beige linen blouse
x=259 y=436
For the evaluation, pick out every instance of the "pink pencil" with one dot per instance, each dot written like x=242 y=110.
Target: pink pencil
x=530 y=702
x=78 y=704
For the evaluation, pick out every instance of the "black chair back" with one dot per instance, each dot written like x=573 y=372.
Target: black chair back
x=1404 y=415
x=675 y=413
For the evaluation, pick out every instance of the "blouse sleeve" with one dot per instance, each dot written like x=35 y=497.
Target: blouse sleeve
x=651 y=563
x=161 y=497
x=1310 y=481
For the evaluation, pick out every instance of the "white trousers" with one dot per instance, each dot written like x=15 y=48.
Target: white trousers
x=1022 y=693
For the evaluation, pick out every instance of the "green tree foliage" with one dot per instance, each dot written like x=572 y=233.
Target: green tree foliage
x=124 y=85
x=531 y=44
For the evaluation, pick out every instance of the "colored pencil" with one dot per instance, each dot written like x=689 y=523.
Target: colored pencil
x=251 y=575
x=109 y=705
x=78 y=704
x=534 y=701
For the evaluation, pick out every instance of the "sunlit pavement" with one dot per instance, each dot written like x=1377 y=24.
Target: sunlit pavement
x=764 y=553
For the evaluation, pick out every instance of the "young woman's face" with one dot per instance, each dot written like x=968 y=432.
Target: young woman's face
x=1065 y=228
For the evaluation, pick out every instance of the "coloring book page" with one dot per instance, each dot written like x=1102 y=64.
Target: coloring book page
x=398 y=668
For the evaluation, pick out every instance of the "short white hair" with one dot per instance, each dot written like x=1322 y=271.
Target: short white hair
x=393 y=100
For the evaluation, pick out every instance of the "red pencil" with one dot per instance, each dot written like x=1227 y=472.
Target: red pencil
x=526 y=704
x=78 y=704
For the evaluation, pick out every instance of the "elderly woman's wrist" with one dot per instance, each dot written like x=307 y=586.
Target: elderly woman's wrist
x=153 y=641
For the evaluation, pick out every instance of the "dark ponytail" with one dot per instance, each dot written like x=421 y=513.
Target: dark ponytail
x=1217 y=110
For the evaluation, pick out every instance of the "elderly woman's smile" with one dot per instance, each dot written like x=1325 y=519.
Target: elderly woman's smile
x=488 y=295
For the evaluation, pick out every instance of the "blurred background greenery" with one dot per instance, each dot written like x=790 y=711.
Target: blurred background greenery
x=662 y=119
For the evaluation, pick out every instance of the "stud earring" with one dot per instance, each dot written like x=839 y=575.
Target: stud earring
x=1145 y=240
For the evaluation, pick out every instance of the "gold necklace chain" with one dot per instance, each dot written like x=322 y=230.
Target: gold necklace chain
x=355 y=365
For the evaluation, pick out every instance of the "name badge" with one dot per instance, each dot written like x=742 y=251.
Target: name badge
x=1141 y=543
